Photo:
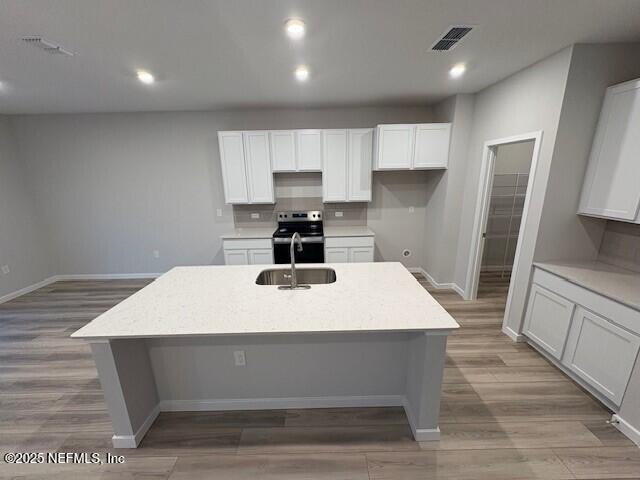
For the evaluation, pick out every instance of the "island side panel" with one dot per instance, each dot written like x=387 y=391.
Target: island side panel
x=427 y=354
x=129 y=388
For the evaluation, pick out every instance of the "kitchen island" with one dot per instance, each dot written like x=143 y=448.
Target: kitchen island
x=210 y=338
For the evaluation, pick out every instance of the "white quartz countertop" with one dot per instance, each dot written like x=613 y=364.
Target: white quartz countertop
x=613 y=282
x=346 y=231
x=225 y=300
x=250 y=232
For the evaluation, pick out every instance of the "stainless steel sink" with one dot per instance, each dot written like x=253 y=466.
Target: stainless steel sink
x=306 y=276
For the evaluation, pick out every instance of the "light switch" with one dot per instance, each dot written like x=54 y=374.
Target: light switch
x=219 y=212
x=5 y=269
x=338 y=214
x=255 y=216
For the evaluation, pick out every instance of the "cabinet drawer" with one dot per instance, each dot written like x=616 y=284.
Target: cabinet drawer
x=548 y=319
x=601 y=353
x=247 y=243
x=348 y=241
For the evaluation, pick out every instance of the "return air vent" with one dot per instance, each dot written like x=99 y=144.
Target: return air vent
x=451 y=38
x=47 y=45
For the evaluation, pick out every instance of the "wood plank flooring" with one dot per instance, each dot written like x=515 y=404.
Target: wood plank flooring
x=506 y=412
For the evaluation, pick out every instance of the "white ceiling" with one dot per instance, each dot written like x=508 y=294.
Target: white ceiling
x=213 y=54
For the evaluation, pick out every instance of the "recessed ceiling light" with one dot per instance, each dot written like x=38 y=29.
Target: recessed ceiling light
x=295 y=28
x=302 y=73
x=145 y=77
x=457 y=70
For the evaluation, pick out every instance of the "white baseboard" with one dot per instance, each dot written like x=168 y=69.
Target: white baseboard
x=132 y=441
x=90 y=276
x=28 y=289
x=280 y=403
x=516 y=337
x=420 y=434
x=626 y=428
x=439 y=286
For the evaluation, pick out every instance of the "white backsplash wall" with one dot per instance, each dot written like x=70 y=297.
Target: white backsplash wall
x=621 y=245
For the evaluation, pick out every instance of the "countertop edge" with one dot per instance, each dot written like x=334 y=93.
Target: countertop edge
x=552 y=269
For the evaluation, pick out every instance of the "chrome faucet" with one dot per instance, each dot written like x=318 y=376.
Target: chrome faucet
x=294 y=279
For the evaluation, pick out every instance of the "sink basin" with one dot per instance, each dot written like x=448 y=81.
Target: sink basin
x=306 y=276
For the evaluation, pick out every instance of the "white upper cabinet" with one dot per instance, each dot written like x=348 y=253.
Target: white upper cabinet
x=359 y=160
x=611 y=186
x=334 y=172
x=395 y=147
x=412 y=147
x=246 y=167
x=259 y=174
x=234 y=173
x=309 y=150
x=283 y=150
x=431 y=148
x=346 y=175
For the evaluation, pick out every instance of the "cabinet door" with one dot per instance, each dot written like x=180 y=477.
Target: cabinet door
x=336 y=255
x=262 y=256
x=361 y=254
x=309 y=150
x=359 y=160
x=334 y=168
x=236 y=257
x=547 y=320
x=611 y=184
x=234 y=174
x=283 y=150
x=395 y=147
x=601 y=353
x=432 y=145
x=259 y=175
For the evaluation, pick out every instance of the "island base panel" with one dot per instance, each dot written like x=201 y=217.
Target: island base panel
x=129 y=388
x=141 y=377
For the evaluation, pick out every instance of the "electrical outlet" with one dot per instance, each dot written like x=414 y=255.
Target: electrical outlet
x=219 y=212
x=255 y=216
x=239 y=357
x=338 y=214
x=5 y=269
x=156 y=254
x=412 y=209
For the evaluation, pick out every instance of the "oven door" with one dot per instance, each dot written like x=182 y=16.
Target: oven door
x=312 y=250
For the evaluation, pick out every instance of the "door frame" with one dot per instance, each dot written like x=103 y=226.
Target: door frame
x=485 y=184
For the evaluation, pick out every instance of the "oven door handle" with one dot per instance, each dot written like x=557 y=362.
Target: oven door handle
x=287 y=240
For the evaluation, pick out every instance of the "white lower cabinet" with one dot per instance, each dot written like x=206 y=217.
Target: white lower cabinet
x=250 y=251
x=348 y=249
x=336 y=254
x=594 y=338
x=548 y=319
x=601 y=353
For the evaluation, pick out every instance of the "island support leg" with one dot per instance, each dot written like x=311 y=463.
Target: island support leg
x=427 y=353
x=129 y=388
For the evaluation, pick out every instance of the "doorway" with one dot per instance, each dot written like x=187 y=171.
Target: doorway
x=506 y=177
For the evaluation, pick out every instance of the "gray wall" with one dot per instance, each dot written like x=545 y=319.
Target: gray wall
x=563 y=234
x=528 y=101
x=23 y=244
x=113 y=188
x=621 y=245
x=446 y=192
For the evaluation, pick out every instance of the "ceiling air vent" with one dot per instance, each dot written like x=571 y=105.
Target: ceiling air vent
x=451 y=38
x=47 y=45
